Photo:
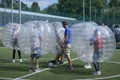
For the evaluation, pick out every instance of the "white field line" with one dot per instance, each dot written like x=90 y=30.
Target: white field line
x=103 y=77
x=114 y=62
x=3 y=78
x=100 y=78
x=39 y=71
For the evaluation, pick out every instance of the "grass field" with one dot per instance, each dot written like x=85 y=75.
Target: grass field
x=11 y=71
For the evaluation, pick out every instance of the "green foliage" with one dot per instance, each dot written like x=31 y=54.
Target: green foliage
x=114 y=3
x=35 y=7
x=8 y=4
x=50 y=8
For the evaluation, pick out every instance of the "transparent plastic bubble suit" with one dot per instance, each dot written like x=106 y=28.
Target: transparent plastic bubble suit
x=7 y=33
x=109 y=43
x=46 y=32
x=59 y=33
x=81 y=34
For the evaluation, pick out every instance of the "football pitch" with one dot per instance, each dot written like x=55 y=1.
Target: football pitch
x=20 y=71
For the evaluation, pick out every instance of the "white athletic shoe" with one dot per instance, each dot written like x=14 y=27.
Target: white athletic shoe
x=13 y=60
x=37 y=70
x=87 y=66
x=21 y=60
x=97 y=73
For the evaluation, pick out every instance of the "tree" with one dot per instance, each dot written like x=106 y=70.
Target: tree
x=114 y=3
x=76 y=6
x=24 y=7
x=51 y=9
x=35 y=7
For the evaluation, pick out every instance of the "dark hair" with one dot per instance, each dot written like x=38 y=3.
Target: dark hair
x=117 y=26
x=64 y=22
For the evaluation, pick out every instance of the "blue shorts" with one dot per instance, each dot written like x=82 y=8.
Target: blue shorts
x=37 y=54
x=96 y=56
x=117 y=36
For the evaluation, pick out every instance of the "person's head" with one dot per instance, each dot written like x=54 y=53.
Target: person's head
x=117 y=26
x=35 y=26
x=96 y=32
x=64 y=23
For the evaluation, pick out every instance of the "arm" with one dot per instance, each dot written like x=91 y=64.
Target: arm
x=41 y=37
x=91 y=42
x=66 y=38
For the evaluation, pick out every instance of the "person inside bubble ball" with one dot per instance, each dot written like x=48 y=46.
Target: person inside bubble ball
x=117 y=36
x=36 y=38
x=59 y=56
x=97 y=42
x=14 y=42
x=67 y=44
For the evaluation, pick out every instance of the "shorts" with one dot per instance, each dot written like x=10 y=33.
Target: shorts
x=117 y=36
x=96 y=57
x=96 y=54
x=14 y=44
x=67 y=49
x=36 y=53
x=59 y=50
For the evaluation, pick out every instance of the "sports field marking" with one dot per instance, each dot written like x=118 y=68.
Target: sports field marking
x=103 y=77
x=114 y=62
x=3 y=78
x=40 y=71
x=100 y=78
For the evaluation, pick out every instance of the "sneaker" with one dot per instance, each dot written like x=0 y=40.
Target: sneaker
x=59 y=63
x=97 y=73
x=53 y=61
x=37 y=70
x=88 y=66
x=21 y=60
x=13 y=60
x=31 y=69
x=69 y=68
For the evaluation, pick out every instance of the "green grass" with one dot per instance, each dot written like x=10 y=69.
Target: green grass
x=14 y=70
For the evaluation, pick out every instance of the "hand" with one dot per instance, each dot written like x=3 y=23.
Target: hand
x=62 y=46
x=91 y=44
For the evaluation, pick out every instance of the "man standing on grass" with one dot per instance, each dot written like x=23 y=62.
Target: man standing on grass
x=97 y=42
x=67 y=44
x=36 y=38
x=59 y=55
x=14 y=42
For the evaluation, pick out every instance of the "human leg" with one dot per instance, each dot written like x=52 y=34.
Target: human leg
x=31 y=62
x=14 y=51
x=19 y=54
x=96 y=64
x=67 y=54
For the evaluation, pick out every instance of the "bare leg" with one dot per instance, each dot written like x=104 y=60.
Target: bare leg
x=37 y=63
x=69 y=60
x=31 y=62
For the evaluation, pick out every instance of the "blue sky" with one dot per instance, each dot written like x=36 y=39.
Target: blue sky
x=42 y=3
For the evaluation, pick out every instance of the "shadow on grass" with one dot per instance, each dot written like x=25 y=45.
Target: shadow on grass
x=78 y=70
x=13 y=68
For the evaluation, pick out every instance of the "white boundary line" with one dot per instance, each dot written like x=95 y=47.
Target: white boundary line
x=3 y=78
x=114 y=62
x=100 y=78
x=6 y=78
x=39 y=71
x=103 y=77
